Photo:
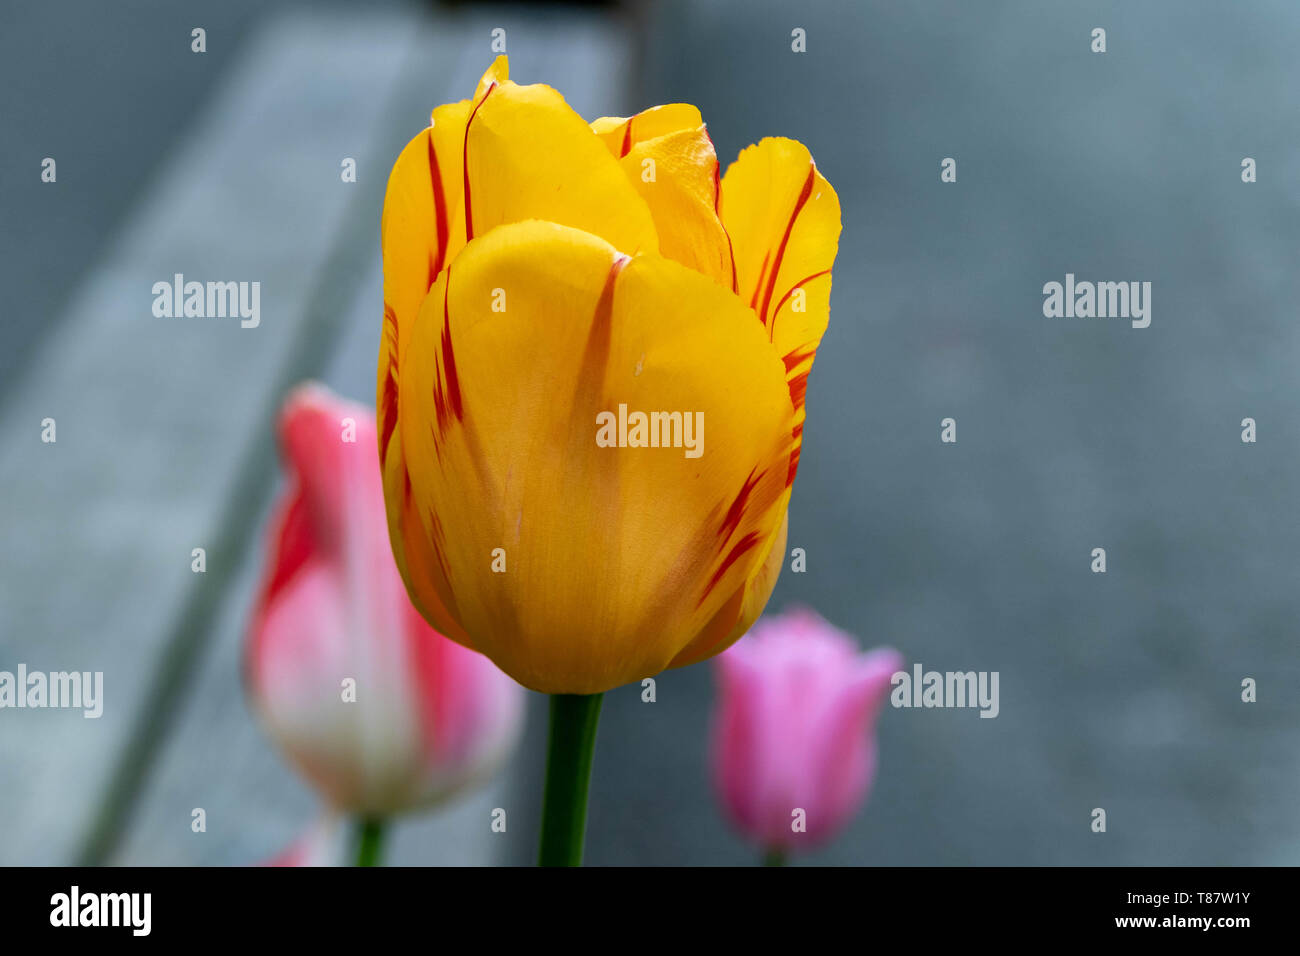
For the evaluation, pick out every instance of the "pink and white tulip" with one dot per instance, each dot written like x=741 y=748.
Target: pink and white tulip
x=794 y=749
x=375 y=708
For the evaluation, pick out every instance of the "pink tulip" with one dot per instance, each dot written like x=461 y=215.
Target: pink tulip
x=794 y=732
x=375 y=708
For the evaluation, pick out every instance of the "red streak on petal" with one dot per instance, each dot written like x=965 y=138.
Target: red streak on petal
x=786 y=298
x=605 y=304
x=390 y=413
x=464 y=160
x=745 y=543
x=449 y=356
x=799 y=389
x=627 y=138
x=785 y=239
x=737 y=510
x=798 y=385
x=439 y=215
x=388 y=402
x=793 y=358
x=293 y=542
x=717 y=175
x=731 y=254
x=797 y=434
x=762 y=271
x=436 y=539
x=717 y=212
x=447 y=403
x=595 y=355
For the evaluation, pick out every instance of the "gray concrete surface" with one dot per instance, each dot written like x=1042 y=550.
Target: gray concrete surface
x=106 y=90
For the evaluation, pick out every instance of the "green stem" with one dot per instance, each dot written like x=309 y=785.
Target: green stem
x=568 y=771
x=370 y=840
x=774 y=858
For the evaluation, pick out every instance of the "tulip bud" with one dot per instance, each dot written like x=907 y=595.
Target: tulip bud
x=375 y=708
x=794 y=749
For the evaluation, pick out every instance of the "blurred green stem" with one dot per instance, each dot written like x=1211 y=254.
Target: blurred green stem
x=370 y=840
x=774 y=858
x=568 y=771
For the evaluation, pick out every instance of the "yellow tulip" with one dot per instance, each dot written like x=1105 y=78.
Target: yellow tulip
x=542 y=276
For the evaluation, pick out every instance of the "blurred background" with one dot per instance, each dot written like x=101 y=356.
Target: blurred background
x=1119 y=690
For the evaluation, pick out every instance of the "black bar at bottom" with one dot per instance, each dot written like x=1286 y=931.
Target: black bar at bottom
x=620 y=906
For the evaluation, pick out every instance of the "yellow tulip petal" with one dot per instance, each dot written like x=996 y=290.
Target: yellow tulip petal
x=683 y=196
x=498 y=72
x=527 y=155
x=783 y=218
x=739 y=615
x=420 y=232
x=531 y=157
x=615 y=557
x=415 y=556
x=566 y=175
x=621 y=133
x=667 y=155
